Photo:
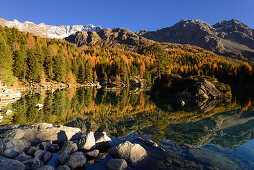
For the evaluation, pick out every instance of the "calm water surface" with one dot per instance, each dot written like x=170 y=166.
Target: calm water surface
x=197 y=136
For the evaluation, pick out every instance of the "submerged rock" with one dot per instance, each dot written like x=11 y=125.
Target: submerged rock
x=132 y=153
x=117 y=164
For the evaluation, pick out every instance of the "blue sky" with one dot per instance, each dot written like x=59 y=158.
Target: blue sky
x=131 y=14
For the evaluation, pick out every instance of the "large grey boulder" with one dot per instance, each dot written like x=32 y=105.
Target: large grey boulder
x=132 y=153
x=117 y=164
x=76 y=160
x=88 y=142
x=42 y=131
x=9 y=164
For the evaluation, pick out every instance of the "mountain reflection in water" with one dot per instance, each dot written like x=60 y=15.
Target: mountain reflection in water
x=197 y=136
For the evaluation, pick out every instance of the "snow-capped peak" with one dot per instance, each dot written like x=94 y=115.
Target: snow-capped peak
x=50 y=31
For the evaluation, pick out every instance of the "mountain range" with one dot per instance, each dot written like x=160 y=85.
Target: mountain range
x=228 y=38
x=48 y=31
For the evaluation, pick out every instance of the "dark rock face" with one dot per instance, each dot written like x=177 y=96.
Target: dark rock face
x=225 y=38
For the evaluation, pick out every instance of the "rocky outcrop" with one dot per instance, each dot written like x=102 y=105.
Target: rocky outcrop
x=133 y=153
x=199 y=88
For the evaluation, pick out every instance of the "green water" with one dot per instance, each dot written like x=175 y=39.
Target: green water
x=205 y=136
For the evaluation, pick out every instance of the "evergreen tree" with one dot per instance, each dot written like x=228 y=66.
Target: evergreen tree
x=59 y=68
x=6 y=61
x=19 y=66
x=88 y=72
x=34 y=68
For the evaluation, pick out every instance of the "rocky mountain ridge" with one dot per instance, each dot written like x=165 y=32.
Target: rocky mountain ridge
x=231 y=38
x=48 y=31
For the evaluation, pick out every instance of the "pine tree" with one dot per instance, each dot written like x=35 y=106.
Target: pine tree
x=6 y=61
x=59 y=68
x=34 y=68
x=19 y=66
x=88 y=73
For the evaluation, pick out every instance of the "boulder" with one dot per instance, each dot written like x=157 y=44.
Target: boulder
x=69 y=147
x=76 y=160
x=45 y=167
x=63 y=167
x=88 y=142
x=39 y=153
x=62 y=137
x=103 y=142
x=45 y=145
x=9 y=164
x=23 y=157
x=47 y=156
x=32 y=163
x=132 y=153
x=149 y=143
x=53 y=148
x=93 y=154
x=16 y=145
x=31 y=150
x=10 y=153
x=102 y=137
x=117 y=164
x=62 y=158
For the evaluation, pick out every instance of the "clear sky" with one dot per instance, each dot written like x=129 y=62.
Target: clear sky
x=131 y=14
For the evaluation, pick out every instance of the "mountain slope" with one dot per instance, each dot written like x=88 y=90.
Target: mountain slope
x=226 y=37
x=48 y=31
x=117 y=37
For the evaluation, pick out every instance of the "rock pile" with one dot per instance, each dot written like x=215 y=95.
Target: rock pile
x=34 y=146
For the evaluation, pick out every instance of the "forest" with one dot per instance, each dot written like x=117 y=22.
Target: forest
x=26 y=58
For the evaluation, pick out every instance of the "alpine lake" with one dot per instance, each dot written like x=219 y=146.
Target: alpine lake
x=214 y=135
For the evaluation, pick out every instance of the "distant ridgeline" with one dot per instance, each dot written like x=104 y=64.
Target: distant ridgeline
x=115 y=57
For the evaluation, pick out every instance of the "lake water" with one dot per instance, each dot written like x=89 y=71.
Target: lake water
x=202 y=136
